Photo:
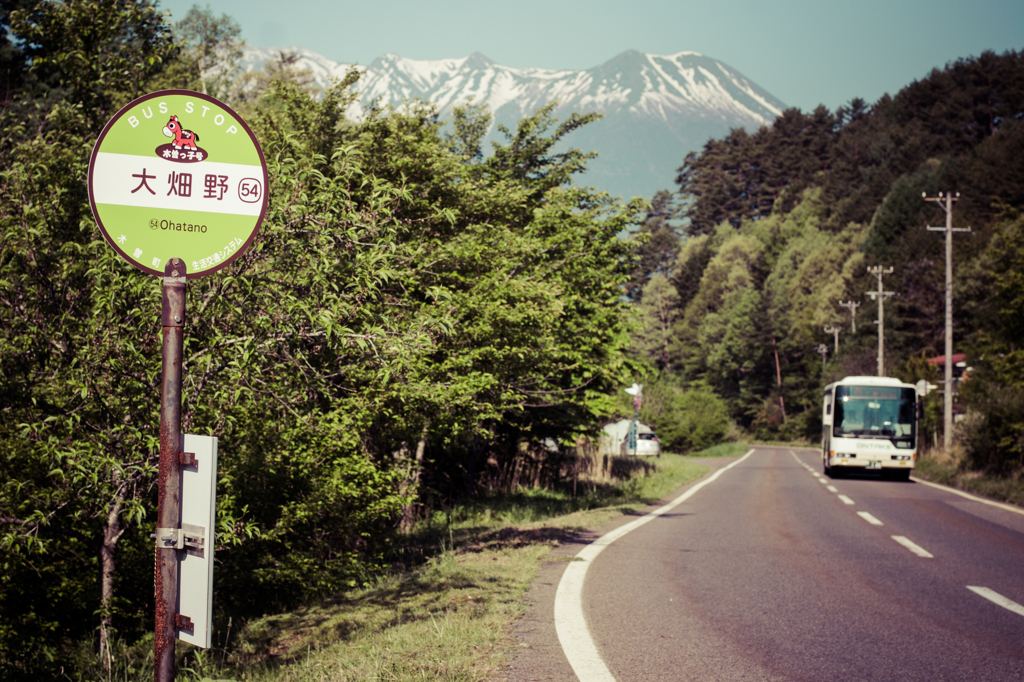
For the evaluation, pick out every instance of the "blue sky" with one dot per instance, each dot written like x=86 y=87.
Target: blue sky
x=804 y=52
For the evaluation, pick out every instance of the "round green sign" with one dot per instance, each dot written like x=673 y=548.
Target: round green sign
x=178 y=174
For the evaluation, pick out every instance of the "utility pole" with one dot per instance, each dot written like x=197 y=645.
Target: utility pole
x=852 y=305
x=823 y=349
x=947 y=403
x=880 y=296
x=834 y=331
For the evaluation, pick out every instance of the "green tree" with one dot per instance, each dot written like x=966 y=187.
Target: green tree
x=742 y=176
x=214 y=44
x=74 y=455
x=94 y=54
x=994 y=394
x=784 y=221
x=408 y=313
x=684 y=419
x=657 y=314
x=657 y=244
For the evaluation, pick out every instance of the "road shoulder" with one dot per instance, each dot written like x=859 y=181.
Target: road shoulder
x=540 y=655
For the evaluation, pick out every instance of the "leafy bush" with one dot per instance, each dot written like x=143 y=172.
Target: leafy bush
x=992 y=434
x=685 y=419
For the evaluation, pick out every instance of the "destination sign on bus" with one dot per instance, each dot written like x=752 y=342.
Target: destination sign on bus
x=875 y=392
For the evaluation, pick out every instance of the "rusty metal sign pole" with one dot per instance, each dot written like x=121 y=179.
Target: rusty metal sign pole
x=129 y=150
x=169 y=491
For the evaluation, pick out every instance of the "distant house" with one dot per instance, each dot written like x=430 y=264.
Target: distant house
x=614 y=434
x=961 y=373
x=959 y=363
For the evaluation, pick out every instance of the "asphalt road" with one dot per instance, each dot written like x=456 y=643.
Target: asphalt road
x=771 y=572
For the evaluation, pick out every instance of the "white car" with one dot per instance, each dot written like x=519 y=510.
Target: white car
x=647 y=444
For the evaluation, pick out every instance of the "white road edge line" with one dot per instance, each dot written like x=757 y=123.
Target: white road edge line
x=809 y=468
x=570 y=622
x=961 y=493
x=997 y=598
x=845 y=499
x=913 y=547
x=869 y=518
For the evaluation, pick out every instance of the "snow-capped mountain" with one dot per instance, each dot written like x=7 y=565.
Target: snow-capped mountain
x=656 y=108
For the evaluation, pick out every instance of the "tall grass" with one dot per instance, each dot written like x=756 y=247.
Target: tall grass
x=446 y=608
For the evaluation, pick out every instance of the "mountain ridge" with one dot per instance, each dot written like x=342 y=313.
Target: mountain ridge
x=656 y=108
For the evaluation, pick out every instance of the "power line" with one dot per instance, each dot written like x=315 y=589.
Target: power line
x=947 y=402
x=880 y=296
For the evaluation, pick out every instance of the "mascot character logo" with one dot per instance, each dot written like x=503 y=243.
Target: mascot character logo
x=183 y=139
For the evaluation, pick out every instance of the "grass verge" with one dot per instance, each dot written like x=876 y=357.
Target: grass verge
x=450 y=618
x=724 y=450
x=948 y=472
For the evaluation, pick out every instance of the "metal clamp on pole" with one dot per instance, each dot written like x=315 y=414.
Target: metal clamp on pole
x=189 y=537
x=194 y=539
x=169 y=538
x=172 y=313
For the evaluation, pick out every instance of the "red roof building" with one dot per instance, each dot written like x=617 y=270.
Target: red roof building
x=940 y=360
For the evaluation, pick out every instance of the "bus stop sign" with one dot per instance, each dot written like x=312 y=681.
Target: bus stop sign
x=178 y=174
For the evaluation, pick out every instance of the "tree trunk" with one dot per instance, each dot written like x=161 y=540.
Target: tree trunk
x=413 y=482
x=112 y=531
x=469 y=473
x=778 y=378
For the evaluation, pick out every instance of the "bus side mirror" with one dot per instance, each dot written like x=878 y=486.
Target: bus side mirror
x=920 y=410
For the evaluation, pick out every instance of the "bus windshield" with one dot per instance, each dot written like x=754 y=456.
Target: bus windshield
x=874 y=412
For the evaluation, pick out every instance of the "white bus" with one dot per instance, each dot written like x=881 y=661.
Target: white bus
x=869 y=424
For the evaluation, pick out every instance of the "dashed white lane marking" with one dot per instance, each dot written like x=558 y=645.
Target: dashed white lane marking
x=913 y=547
x=845 y=499
x=869 y=518
x=823 y=481
x=570 y=621
x=961 y=493
x=997 y=598
x=832 y=489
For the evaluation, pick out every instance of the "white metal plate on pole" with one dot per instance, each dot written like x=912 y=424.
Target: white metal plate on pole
x=198 y=511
